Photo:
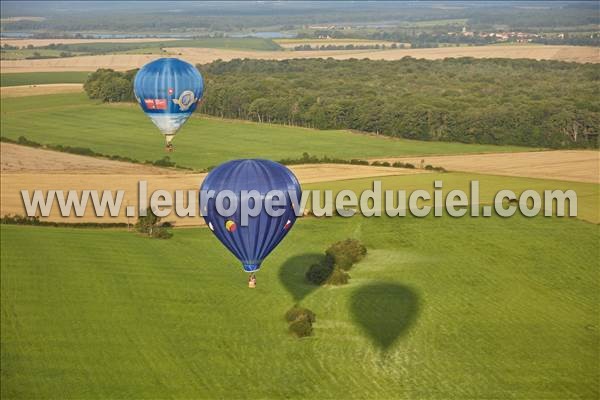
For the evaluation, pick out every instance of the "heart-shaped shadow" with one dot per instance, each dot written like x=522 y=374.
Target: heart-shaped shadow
x=384 y=311
x=291 y=274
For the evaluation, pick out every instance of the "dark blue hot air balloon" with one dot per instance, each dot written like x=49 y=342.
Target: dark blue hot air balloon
x=251 y=243
x=168 y=90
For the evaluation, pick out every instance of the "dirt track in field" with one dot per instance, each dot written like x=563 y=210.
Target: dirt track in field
x=202 y=56
x=30 y=169
x=36 y=90
x=565 y=165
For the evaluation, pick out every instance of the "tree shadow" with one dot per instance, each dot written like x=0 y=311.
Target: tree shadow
x=291 y=274
x=384 y=311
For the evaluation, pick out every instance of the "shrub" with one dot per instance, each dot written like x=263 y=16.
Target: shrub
x=319 y=273
x=345 y=253
x=338 y=277
x=400 y=164
x=10 y=219
x=82 y=151
x=381 y=164
x=164 y=162
x=301 y=327
x=432 y=168
x=161 y=233
x=297 y=312
x=339 y=259
x=22 y=140
x=150 y=225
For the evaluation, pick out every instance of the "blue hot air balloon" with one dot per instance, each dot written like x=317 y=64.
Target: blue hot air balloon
x=168 y=90
x=263 y=232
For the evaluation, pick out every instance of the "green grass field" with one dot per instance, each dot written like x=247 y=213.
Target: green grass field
x=441 y=308
x=123 y=129
x=41 y=78
x=22 y=54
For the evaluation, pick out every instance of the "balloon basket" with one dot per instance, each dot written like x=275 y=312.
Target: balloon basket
x=169 y=148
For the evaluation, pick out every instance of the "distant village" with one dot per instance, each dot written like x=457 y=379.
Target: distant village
x=328 y=32
x=519 y=37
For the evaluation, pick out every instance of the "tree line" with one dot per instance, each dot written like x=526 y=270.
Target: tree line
x=491 y=101
x=350 y=46
x=414 y=37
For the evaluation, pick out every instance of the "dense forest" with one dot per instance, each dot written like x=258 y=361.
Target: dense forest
x=500 y=101
x=493 y=101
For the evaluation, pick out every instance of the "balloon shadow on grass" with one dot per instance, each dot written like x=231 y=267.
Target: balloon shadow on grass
x=384 y=311
x=292 y=274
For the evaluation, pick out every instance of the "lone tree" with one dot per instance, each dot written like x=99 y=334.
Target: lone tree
x=148 y=224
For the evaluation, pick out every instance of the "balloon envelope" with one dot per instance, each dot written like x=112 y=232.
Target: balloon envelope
x=263 y=232
x=168 y=91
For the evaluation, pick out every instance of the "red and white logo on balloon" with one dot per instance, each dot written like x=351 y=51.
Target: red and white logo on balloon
x=156 y=104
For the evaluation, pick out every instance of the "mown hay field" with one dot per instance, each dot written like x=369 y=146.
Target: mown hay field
x=568 y=165
x=37 y=90
x=197 y=55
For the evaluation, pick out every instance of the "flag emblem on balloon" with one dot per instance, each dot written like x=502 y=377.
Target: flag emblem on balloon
x=186 y=100
x=156 y=104
x=170 y=91
x=287 y=225
x=230 y=226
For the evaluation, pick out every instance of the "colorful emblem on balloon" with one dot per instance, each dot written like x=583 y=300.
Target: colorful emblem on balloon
x=186 y=100
x=230 y=226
